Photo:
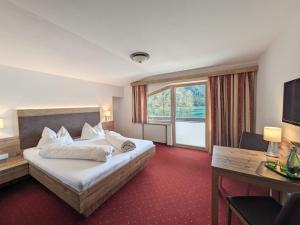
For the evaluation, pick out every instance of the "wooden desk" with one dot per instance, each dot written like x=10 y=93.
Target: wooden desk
x=246 y=166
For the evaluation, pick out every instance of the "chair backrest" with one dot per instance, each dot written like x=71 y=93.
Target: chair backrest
x=289 y=214
x=253 y=141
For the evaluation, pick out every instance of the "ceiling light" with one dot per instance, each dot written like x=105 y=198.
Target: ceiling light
x=139 y=56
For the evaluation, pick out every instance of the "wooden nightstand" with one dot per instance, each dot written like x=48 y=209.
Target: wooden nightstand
x=13 y=168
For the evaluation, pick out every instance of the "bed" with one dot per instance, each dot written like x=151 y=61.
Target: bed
x=82 y=184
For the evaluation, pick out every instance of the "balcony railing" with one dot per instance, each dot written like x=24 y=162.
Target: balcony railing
x=168 y=119
x=189 y=130
x=159 y=118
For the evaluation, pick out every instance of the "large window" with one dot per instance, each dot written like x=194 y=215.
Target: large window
x=159 y=106
x=190 y=111
x=190 y=102
x=186 y=111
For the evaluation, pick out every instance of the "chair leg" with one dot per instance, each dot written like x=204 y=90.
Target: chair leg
x=229 y=214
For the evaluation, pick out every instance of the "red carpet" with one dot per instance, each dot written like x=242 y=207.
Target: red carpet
x=174 y=189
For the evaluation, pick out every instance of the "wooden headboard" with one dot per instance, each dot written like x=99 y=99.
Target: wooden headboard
x=33 y=121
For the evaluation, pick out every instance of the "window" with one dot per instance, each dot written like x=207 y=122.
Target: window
x=191 y=102
x=190 y=110
x=159 y=106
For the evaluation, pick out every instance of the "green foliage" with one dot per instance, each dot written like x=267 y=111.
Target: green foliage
x=190 y=102
x=199 y=94
x=184 y=102
x=159 y=104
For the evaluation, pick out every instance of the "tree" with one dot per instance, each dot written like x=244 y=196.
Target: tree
x=190 y=102
x=184 y=102
x=159 y=104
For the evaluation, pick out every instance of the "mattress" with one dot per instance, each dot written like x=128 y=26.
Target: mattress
x=82 y=174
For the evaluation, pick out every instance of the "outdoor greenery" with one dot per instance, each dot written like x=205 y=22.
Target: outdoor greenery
x=190 y=102
x=159 y=104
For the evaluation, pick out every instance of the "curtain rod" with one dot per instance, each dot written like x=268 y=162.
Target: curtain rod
x=198 y=75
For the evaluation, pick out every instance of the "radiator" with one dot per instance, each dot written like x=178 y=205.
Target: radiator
x=160 y=133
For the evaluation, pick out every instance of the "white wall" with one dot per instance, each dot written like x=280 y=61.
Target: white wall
x=280 y=63
x=124 y=116
x=26 y=89
x=116 y=109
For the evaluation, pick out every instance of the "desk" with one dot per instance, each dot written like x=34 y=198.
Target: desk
x=246 y=166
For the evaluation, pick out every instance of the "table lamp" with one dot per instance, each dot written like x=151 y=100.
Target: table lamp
x=107 y=115
x=273 y=135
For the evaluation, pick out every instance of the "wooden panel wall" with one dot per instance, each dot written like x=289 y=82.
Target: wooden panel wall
x=33 y=121
x=10 y=145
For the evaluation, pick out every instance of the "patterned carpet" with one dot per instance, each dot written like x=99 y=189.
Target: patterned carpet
x=174 y=189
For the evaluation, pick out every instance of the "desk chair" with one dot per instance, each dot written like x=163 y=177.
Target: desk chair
x=264 y=210
x=253 y=141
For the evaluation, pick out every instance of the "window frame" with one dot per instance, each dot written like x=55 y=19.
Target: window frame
x=172 y=87
x=207 y=118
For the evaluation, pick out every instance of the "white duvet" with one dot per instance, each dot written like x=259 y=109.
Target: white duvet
x=100 y=153
x=82 y=174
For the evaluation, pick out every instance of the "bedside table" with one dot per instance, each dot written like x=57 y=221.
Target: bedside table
x=13 y=168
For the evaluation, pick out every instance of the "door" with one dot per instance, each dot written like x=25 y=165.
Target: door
x=190 y=115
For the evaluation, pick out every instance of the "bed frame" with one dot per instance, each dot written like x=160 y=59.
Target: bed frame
x=31 y=124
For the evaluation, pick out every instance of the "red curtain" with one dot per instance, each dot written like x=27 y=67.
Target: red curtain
x=139 y=104
x=232 y=107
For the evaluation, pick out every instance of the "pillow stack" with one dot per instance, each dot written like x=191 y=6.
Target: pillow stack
x=89 y=132
x=63 y=137
x=50 y=137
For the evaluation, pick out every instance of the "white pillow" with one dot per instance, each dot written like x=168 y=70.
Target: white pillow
x=99 y=128
x=89 y=132
x=49 y=137
x=48 y=133
x=64 y=136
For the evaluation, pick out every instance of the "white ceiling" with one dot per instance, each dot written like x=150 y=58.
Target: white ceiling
x=92 y=39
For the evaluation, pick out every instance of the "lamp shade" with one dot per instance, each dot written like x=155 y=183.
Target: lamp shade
x=1 y=123
x=272 y=134
x=107 y=113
